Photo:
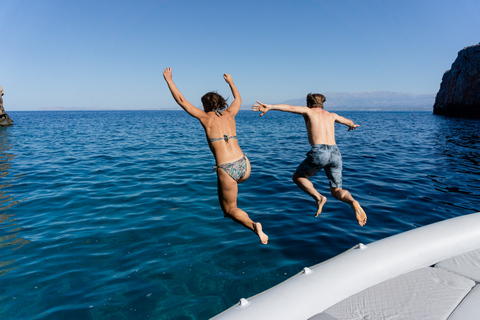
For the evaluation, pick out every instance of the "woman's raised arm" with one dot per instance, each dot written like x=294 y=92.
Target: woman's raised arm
x=179 y=98
x=237 y=100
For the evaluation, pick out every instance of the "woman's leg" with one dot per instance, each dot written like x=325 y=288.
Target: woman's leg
x=227 y=195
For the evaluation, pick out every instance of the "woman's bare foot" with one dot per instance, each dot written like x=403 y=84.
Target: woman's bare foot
x=359 y=213
x=258 y=230
x=320 y=204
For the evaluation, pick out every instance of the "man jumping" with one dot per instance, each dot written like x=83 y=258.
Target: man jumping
x=324 y=153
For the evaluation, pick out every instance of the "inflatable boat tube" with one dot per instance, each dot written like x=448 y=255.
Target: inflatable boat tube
x=317 y=288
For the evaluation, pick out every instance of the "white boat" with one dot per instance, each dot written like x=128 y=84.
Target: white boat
x=427 y=273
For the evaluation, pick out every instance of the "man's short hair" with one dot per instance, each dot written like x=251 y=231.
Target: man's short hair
x=315 y=100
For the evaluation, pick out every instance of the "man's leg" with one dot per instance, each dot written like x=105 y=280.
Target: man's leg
x=345 y=196
x=307 y=186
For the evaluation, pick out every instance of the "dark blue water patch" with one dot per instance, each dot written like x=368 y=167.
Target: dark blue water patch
x=115 y=214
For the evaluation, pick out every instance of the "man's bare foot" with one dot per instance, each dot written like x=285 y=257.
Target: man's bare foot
x=320 y=204
x=258 y=230
x=359 y=213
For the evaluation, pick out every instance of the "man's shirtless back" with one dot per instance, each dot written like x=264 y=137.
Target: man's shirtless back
x=321 y=125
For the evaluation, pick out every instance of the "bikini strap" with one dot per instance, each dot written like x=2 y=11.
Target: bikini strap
x=226 y=138
x=218 y=167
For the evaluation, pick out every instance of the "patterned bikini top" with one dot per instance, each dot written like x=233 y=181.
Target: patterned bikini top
x=225 y=137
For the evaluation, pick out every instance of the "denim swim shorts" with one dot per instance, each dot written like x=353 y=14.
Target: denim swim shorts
x=323 y=156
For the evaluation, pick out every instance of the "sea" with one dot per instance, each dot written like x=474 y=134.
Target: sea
x=115 y=215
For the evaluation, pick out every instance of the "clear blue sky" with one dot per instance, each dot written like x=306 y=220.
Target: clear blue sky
x=110 y=54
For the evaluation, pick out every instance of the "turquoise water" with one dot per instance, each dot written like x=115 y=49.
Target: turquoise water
x=114 y=215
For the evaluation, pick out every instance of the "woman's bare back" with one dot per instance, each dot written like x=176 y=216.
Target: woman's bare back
x=224 y=128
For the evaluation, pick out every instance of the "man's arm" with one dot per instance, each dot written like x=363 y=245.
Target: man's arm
x=237 y=100
x=351 y=125
x=179 y=98
x=264 y=108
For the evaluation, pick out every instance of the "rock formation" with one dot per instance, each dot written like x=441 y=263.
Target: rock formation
x=459 y=93
x=4 y=118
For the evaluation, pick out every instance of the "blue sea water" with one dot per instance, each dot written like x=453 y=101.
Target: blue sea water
x=114 y=215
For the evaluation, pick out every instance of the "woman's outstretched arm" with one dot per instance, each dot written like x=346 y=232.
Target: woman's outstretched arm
x=237 y=100
x=179 y=98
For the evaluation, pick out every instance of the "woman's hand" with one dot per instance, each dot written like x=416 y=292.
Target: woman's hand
x=228 y=78
x=167 y=74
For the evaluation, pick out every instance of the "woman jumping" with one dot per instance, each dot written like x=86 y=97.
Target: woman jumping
x=232 y=165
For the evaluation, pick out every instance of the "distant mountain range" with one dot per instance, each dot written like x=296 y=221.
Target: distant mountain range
x=374 y=101
x=359 y=101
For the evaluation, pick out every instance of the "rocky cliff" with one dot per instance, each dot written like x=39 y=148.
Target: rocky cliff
x=459 y=93
x=4 y=118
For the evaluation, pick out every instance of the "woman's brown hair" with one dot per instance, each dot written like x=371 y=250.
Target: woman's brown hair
x=213 y=101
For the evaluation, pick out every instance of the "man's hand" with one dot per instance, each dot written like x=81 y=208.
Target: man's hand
x=167 y=74
x=355 y=126
x=228 y=78
x=262 y=107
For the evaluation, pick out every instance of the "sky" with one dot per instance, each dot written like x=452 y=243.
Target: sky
x=105 y=54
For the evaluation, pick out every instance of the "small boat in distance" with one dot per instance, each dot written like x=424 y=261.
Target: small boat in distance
x=426 y=273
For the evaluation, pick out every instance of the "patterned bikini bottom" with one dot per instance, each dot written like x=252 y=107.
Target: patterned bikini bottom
x=237 y=170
